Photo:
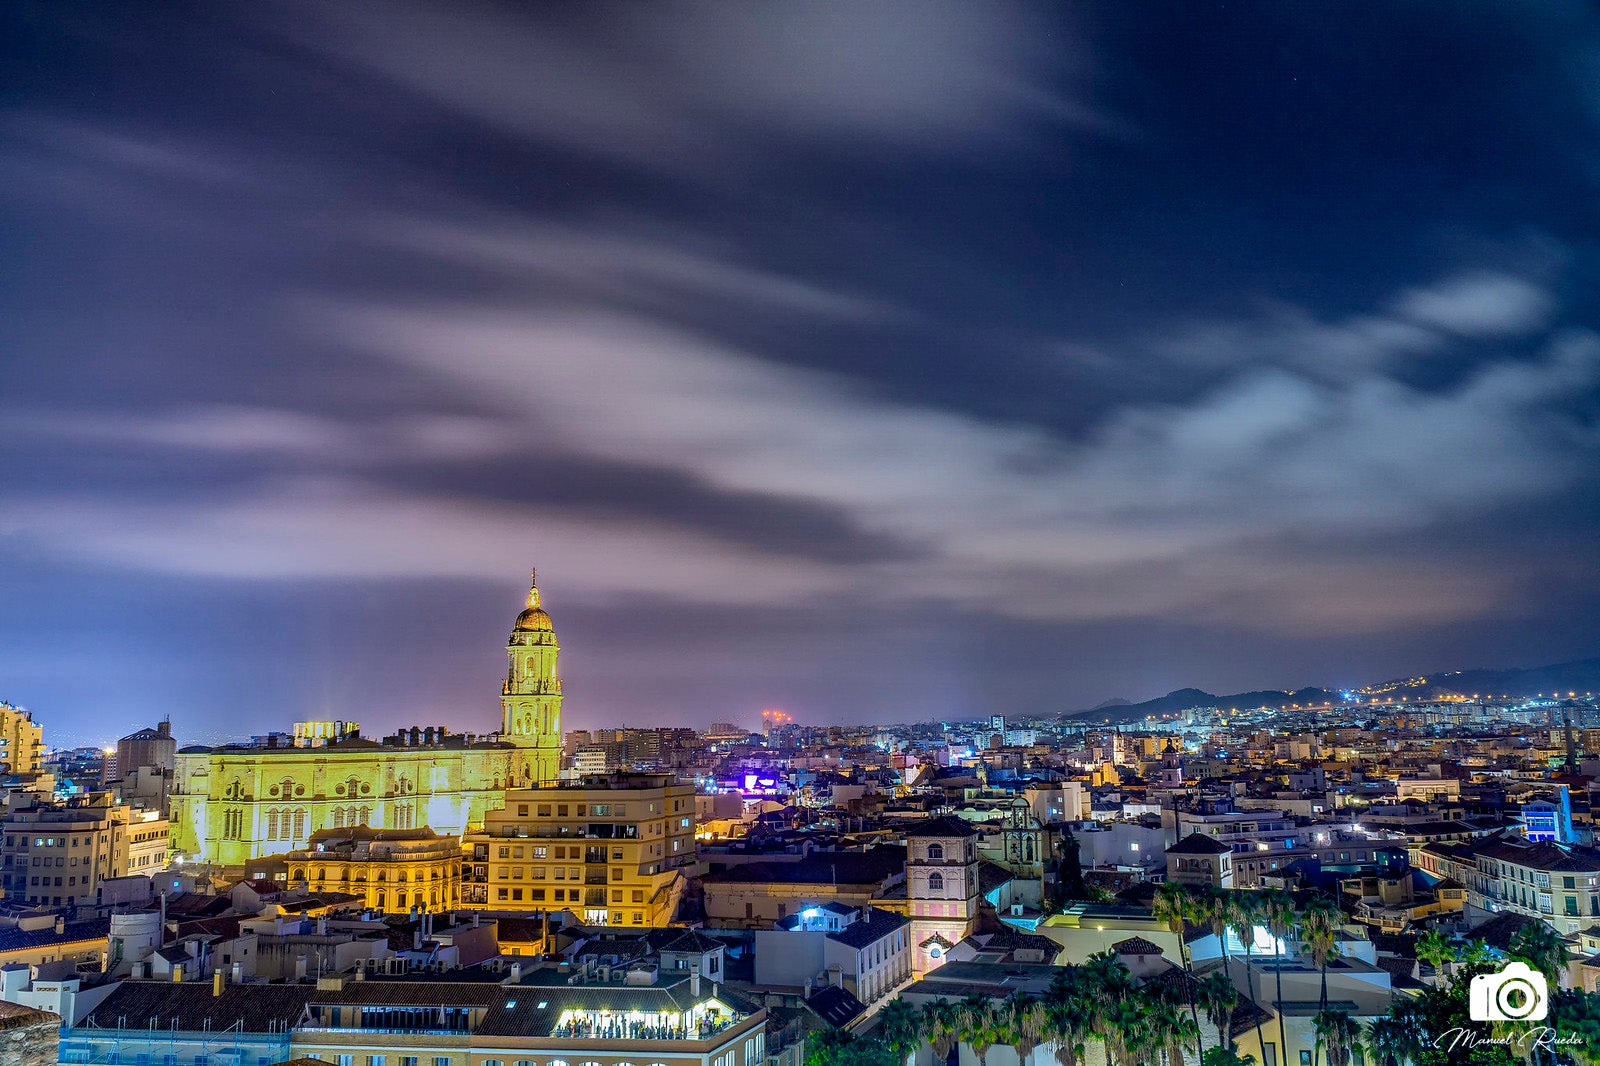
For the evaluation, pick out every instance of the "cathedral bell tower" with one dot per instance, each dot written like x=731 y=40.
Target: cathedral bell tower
x=530 y=699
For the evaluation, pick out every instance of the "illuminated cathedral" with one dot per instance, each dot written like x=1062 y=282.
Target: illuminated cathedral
x=239 y=802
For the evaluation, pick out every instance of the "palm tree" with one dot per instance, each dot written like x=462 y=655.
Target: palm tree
x=978 y=1027
x=1128 y=1033
x=1319 y=932
x=1541 y=947
x=1433 y=948
x=1019 y=1024
x=1277 y=907
x=1477 y=952
x=1068 y=1012
x=900 y=1028
x=940 y=1024
x=1220 y=997
x=1338 y=1032
x=1111 y=993
x=1171 y=1029
x=1177 y=906
x=1215 y=910
x=1391 y=1042
x=1244 y=912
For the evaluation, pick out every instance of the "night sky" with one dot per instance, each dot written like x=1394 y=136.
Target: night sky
x=872 y=361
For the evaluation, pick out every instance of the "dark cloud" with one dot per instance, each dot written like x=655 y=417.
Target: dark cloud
x=901 y=360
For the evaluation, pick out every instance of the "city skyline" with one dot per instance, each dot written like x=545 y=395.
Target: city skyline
x=1003 y=360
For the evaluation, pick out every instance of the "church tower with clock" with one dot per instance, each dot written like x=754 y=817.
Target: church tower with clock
x=530 y=699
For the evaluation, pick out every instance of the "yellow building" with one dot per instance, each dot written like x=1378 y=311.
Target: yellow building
x=614 y=849
x=20 y=741
x=237 y=803
x=392 y=870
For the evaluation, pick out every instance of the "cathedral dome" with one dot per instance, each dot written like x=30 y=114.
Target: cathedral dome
x=533 y=620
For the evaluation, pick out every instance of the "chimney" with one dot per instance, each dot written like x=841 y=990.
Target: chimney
x=177 y=973
x=237 y=973
x=516 y=972
x=322 y=926
x=694 y=983
x=299 y=967
x=216 y=984
x=61 y=925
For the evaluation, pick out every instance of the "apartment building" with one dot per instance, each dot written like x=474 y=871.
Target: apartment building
x=1540 y=880
x=57 y=854
x=614 y=849
x=21 y=741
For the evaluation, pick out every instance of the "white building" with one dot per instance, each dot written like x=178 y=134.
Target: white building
x=864 y=950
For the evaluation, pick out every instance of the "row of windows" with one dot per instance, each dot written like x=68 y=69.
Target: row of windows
x=55 y=842
x=599 y=810
x=540 y=851
x=321 y=873
x=562 y=873
x=559 y=895
x=59 y=861
x=284 y=824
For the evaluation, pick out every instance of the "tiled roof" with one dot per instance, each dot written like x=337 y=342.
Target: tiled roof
x=1136 y=945
x=878 y=924
x=14 y=939
x=1198 y=844
x=820 y=868
x=836 y=1006
x=991 y=875
x=1542 y=856
x=411 y=994
x=1498 y=931
x=255 y=1008
x=945 y=825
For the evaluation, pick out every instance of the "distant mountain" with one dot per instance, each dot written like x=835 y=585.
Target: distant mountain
x=1115 y=701
x=1184 y=698
x=1581 y=676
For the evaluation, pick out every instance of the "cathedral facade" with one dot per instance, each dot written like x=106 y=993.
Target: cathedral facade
x=239 y=802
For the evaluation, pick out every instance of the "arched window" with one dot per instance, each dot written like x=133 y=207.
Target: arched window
x=524 y=1062
x=272 y=825
x=936 y=882
x=299 y=824
x=935 y=851
x=338 y=817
